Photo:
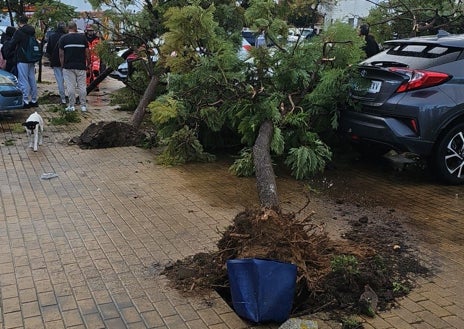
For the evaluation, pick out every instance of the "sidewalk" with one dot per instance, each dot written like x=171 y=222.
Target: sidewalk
x=85 y=249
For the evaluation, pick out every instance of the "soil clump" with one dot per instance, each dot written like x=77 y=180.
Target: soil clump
x=106 y=134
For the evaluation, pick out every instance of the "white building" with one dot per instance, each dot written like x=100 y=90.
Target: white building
x=347 y=11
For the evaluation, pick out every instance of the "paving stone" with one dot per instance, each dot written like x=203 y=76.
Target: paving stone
x=30 y=309
x=94 y=320
x=11 y=305
x=34 y=323
x=152 y=319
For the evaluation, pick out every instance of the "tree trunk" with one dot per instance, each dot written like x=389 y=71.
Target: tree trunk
x=39 y=75
x=148 y=96
x=42 y=42
x=99 y=79
x=265 y=178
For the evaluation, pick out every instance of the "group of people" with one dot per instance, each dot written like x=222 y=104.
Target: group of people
x=72 y=56
x=74 y=60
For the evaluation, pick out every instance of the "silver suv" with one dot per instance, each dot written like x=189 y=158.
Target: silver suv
x=410 y=98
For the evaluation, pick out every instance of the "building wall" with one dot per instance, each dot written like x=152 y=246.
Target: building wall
x=347 y=11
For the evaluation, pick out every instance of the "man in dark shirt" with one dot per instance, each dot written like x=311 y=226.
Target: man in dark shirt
x=371 y=47
x=75 y=58
x=53 y=52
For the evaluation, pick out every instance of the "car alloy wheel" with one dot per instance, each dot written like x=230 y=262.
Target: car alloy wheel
x=449 y=158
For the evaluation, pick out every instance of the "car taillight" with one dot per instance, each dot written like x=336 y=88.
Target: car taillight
x=414 y=126
x=419 y=79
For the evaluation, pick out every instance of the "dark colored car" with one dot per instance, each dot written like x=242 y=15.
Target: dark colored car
x=410 y=98
x=250 y=36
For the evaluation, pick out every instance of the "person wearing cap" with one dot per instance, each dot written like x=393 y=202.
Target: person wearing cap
x=93 y=39
x=371 y=47
x=53 y=52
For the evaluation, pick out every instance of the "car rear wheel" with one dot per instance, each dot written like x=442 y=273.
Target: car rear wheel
x=448 y=158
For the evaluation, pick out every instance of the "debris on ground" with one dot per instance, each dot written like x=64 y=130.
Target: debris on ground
x=359 y=273
x=48 y=175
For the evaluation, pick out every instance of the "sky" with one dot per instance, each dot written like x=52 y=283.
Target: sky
x=81 y=5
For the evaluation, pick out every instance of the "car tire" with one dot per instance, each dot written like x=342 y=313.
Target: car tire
x=448 y=157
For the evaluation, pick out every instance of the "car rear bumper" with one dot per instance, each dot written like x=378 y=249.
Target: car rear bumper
x=368 y=128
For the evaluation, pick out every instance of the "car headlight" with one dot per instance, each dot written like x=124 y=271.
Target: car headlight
x=6 y=80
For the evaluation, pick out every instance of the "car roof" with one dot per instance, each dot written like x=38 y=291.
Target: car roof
x=442 y=38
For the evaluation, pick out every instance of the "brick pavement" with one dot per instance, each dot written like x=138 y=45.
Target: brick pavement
x=436 y=215
x=84 y=250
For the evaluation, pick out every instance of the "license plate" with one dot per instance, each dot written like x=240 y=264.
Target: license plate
x=375 y=87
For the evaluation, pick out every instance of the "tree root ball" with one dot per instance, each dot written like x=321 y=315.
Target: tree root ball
x=105 y=134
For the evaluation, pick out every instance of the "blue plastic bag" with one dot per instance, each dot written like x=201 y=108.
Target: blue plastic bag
x=262 y=290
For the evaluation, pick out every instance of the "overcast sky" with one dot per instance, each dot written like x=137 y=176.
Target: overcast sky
x=81 y=5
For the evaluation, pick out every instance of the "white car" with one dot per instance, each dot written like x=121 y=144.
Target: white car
x=296 y=34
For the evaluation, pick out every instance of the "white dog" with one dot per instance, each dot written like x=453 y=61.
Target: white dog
x=34 y=129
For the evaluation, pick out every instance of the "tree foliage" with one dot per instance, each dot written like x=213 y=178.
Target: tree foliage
x=50 y=12
x=275 y=102
x=406 y=18
x=299 y=88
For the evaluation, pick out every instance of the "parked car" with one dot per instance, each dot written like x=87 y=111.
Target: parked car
x=300 y=34
x=255 y=38
x=244 y=51
x=126 y=68
x=122 y=72
x=410 y=98
x=11 y=97
x=249 y=36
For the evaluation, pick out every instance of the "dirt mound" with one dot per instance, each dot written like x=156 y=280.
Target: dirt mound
x=106 y=134
x=331 y=275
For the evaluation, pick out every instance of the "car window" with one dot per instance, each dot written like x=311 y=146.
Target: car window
x=424 y=51
x=438 y=50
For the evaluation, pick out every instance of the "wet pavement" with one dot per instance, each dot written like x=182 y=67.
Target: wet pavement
x=84 y=249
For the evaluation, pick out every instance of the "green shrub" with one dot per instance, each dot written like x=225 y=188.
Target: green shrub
x=345 y=264
x=64 y=117
x=244 y=166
